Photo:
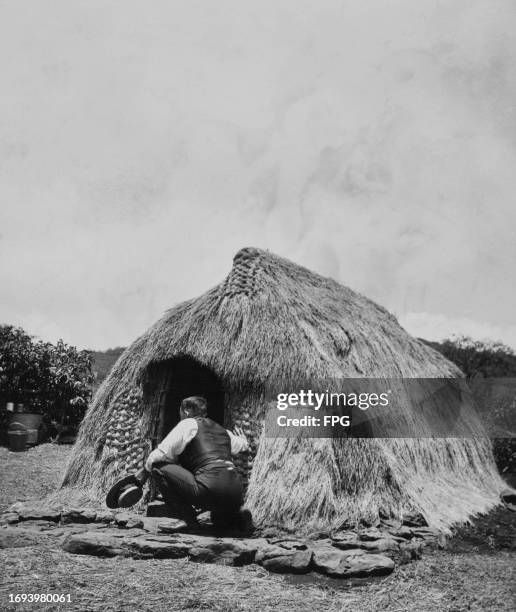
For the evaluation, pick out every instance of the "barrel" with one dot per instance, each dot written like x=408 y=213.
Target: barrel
x=31 y=422
x=18 y=437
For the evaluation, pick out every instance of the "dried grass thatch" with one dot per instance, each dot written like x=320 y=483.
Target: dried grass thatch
x=271 y=323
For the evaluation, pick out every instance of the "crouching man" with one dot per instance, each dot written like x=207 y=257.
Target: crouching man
x=192 y=467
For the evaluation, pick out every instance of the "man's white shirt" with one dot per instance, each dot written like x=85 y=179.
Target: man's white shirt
x=184 y=432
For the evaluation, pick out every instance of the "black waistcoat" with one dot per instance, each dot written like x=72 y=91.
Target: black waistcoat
x=211 y=442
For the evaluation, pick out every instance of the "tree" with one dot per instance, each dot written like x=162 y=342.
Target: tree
x=69 y=379
x=478 y=358
x=22 y=364
x=52 y=380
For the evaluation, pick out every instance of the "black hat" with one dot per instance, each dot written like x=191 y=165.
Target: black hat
x=125 y=492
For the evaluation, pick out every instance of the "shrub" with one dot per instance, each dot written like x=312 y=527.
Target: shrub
x=54 y=380
x=478 y=359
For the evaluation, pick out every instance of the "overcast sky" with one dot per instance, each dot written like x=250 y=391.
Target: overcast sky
x=143 y=143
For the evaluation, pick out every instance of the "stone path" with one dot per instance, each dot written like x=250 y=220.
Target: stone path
x=348 y=554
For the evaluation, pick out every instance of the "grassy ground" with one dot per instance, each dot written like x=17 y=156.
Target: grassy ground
x=474 y=574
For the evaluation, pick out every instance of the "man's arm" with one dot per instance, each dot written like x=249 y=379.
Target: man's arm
x=173 y=444
x=155 y=456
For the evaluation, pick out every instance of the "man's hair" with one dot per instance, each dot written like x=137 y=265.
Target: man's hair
x=195 y=406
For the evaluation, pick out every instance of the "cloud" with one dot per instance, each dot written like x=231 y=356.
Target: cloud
x=140 y=149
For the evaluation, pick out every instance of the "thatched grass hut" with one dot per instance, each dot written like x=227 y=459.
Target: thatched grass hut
x=273 y=323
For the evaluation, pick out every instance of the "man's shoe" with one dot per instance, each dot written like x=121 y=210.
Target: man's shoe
x=245 y=521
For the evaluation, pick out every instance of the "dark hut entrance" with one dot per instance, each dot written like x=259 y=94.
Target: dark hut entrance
x=170 y=381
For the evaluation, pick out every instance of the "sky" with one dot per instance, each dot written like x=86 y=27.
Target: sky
x=142 y=144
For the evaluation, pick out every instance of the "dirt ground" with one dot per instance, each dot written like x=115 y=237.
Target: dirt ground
x=476 y=572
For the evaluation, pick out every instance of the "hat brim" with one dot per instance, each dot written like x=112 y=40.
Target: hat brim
x=113 y=495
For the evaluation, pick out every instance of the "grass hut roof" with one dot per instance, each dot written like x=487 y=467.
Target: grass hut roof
x=272 y=322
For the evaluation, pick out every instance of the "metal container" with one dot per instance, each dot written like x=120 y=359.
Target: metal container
x=18 y=437
x=31 y=422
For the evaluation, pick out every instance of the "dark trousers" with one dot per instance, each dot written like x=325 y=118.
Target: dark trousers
x=216 y=487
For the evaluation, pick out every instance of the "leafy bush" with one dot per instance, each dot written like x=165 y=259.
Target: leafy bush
x=54 y=380
x=479 y=358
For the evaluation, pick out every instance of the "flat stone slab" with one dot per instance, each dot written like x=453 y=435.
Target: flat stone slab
x=373 y=540
x=29 y=512
x=351 y=563
x=284 y=560
x=128 y=521
x=114 y=542
x=77 y=515
x=9 y=518
x=171 y=525
x=401 y=532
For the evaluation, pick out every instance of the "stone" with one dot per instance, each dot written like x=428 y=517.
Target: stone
x=104 y=516
x=403 y=532
x=271 y=532
x=172 y=525
x=351 y=563
x=99 y=544
x=150 y=523
x=92 y=526
x=72 y=528
x=372 y=522
x=9 y=518
x=128 y=521
x=204 y=519
x=224 y=551
x=371 y=540
x=288 y=543
x=78 y=515
x=368 y=535
x=16 y=537
x=158 y=508
x=117 y=542
x=426 y=533
x=381 y=545
x=414 y=519
x=29 y=512
x=409 y=551
x=59 y=531
x=203 y=555
x=318 y=535
x=282 y=560
x=391 y=523
x=144 y=547
x=346 y=541
x=39 y=525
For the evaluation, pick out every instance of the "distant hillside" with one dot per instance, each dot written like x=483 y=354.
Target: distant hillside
x=473 y=357
x=477 y=357
x=103 y=361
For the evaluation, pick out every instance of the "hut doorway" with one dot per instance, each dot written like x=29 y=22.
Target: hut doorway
x=175 y=379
